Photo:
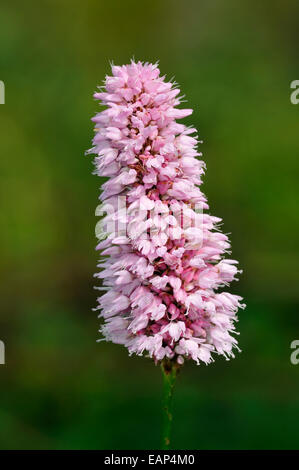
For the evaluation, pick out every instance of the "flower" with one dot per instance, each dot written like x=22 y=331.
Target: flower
x=165 y=262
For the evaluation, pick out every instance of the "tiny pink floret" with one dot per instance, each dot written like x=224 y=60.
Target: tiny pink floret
x=162 y=277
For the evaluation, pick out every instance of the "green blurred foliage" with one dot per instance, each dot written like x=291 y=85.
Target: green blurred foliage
x=234 y=61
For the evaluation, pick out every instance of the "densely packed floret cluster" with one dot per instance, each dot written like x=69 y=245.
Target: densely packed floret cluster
x=163 y=260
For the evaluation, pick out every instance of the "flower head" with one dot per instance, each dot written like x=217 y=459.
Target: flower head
x=165 y=253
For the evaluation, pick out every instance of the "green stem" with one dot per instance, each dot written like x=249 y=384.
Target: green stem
x=169 y=371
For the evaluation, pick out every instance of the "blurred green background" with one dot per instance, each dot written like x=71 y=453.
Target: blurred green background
x=234 y=61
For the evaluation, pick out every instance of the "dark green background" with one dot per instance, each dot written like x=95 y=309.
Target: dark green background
x=234 y=61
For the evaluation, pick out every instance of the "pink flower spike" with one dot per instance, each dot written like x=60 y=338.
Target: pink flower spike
x=164 y=256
